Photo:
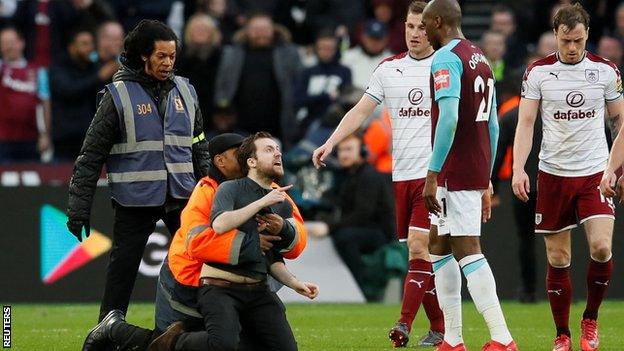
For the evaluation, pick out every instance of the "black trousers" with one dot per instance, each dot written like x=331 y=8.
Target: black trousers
x=131 y=229
x=129 y=337
x=353 y=242
x=228 y=310
x=524 y=214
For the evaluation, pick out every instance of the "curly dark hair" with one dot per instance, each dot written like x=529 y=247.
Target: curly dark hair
x=248 y=149
x=140 y=41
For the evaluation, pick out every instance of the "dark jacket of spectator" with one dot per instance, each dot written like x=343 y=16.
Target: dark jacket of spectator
x=322 y=14
x=366 y=200
x=104 y=131
x=73 y=87
x=233 y=86
x=292 y=14
x=131 y=12
x=202 y=73
x=315 y=88
x=507 y=123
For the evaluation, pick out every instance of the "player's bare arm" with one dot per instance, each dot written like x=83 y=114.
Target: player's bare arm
x=522 y=147
x=351 y=121
x=608 y=185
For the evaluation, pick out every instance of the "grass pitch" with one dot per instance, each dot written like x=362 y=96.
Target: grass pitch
x=322 y=327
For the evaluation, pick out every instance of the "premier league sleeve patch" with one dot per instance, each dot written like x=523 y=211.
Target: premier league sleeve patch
x=441 y=79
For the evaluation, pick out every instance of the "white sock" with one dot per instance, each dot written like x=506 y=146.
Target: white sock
x=448 y=286
x=482 y=288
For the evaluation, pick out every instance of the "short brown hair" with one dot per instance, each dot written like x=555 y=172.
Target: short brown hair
x=416 y=7
x=248 y=149
x=570 y=16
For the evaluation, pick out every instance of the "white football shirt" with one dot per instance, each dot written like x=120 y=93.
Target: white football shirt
x=573 y=111
x=402 y=83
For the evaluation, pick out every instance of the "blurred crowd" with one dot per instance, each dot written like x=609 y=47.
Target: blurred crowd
x=289 y=67
x=285 y=66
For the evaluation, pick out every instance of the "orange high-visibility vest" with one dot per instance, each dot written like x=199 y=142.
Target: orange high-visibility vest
x=378 y=140
x=506 y=171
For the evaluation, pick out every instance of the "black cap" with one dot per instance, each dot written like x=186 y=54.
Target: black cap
x=223 y=142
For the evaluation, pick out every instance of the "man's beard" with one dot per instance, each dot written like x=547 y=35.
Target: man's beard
x=270 y=173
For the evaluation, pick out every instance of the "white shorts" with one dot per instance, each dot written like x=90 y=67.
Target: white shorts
x=461 y=212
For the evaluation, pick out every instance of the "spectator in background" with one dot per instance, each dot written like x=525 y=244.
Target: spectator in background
x=343 y=15
x=226 y=14
x=503 y=21
x=130 y=12
x=385 y=11
x=224 y=121
x=256 y=76
x=48 y=25
x=109 y=41
x=611 y=49
x=366 y=221
x=292 y=14
x=320 y=85
x=523 y=212
x=494 y=48
x=547 y=44
x=23 y=87
x=363 y=59
x=74 y=83
x=7 y=9
x=32 y=18
x=618 y=31
x=199 y=61
x=109 y=45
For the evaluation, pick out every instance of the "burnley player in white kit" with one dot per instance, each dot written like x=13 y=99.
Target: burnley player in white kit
x=571 y=88
x=402 y=82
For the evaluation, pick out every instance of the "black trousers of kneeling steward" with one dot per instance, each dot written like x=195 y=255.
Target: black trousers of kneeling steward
x=226 y=310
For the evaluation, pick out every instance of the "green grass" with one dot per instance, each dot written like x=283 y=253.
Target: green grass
x=321 y=327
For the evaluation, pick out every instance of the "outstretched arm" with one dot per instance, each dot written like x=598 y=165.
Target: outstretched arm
x=350 y=123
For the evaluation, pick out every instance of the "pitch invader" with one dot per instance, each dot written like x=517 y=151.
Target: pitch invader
x=458 y=189
x=571 y=86
x=402 y=81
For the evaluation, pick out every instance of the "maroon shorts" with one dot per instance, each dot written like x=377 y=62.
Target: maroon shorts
x=411 y=212
x=562 y=202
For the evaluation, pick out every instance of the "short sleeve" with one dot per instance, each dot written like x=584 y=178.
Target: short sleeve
x=613 y=89
x=223 y=200
x=446 y=70
x=375 y=88
x=530 y=85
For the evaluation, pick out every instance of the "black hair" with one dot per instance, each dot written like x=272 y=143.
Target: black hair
x=140 y=41
x=75 y=32
x=325 y=33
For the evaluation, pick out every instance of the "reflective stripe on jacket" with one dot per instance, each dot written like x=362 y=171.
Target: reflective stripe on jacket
x=153 y=157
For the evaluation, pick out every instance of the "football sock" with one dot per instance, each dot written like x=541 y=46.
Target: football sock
x=482 y=288
x=559 y=288
x=432 y=307
x=598 y=276
x=448 y=286
x=416 y=284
